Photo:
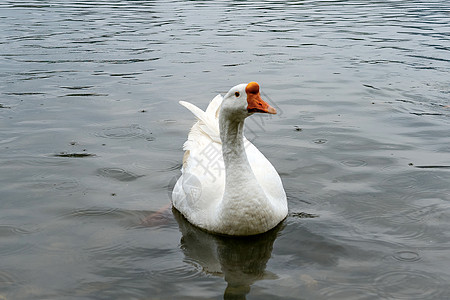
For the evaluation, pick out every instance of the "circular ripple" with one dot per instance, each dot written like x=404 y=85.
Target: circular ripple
x=418 y=214
x=162 y=165
x=319 y=141
x=405 y=228
x=90 y=212
x=348 y=292
x=408 y=285
x=110 y=249
x=421 y=207
x=354 y=163
x=180 y=272
x=7 y=230
x=11 y=241
x=407 y=256
x=70 y=186
x=127 y=218
x=118 y=174
x=318 y=168
x=404 y=181
x=126 y=132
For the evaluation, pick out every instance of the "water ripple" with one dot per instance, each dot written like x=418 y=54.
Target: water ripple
x=9 y=230
x=126 y=132
x=6 y=280
x=407 y=256
x=408 y=284
x=354 y=163
x=404 y=181
x=126 y=218
x=422 y=207
x=320 y=141
x=419 y=220
x=178 y=272
x=15 y=247
x=34 y=161
x=45 y=182
x=90 y=212
x=348 y=291
x=115 y=250
x=326 y=62
x=118 y=174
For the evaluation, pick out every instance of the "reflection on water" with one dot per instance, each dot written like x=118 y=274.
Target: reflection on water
x=240 y=260
x=91 y=138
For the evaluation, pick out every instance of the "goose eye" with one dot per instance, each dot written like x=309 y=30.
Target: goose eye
x=237 y=94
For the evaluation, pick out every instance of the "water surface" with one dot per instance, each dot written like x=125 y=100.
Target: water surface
x=91 y=135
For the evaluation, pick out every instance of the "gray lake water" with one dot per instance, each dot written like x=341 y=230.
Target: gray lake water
x=91 y=135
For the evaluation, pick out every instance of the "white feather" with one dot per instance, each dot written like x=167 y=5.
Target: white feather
x=199 y=192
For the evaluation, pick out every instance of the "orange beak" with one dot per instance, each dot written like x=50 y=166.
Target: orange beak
x=254 y=101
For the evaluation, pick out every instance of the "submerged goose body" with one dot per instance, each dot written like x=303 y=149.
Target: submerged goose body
x=227 y=185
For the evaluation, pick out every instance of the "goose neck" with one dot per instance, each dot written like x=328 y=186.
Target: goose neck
x=232 y=136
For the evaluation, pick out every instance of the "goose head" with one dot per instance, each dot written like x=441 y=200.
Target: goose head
x=243 y=100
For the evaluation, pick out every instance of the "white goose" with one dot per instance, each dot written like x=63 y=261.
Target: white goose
x=227 y=186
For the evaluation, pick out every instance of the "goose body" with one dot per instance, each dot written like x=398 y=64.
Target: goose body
x=227 y=185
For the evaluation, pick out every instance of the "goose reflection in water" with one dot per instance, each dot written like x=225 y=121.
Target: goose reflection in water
x=240 y=260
